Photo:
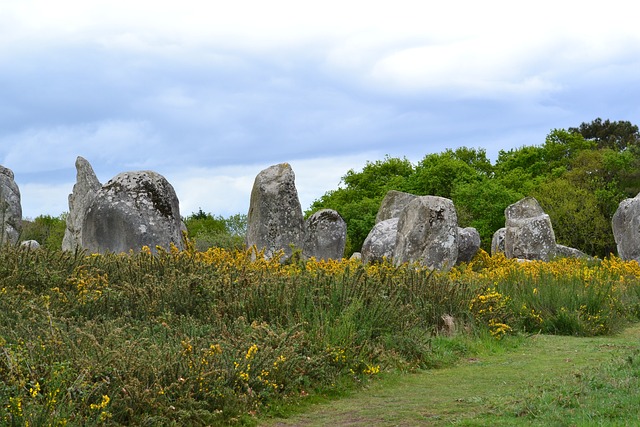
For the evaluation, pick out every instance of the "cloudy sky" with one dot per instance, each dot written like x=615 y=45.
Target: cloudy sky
x=208 y=93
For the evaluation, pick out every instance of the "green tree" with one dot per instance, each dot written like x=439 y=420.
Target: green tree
x=481 y=204
x=46 y=230
x=617 y=135
x=439 y=174
x=576 y=216
x=216 y=231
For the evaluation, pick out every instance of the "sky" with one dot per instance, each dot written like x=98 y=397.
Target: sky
x=208 y=93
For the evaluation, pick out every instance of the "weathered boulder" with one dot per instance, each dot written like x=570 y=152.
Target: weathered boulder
x=275 y=220
x=84 y=191
x=468 y=244
x=428 y=233
x=380 y=242
x=393 y=204
x=325 y=235
x=497 y=241
x=10 y=207
x=132 y=210
x=529 y=233
x=626 y=229
x=29 y=244
x=568 y=252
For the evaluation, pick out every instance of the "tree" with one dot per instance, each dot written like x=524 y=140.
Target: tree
x=617 y=135
x=481 y=204
x=439 y=174
x=46 y=230
x=215 y=231
x=576 y=217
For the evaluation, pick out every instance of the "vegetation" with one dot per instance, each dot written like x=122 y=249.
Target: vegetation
x=210 y=231
x=579 y=176
x=46 y=230
x=220 y=337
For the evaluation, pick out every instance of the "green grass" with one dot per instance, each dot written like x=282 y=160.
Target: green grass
x=223 y=338
x=542 y=380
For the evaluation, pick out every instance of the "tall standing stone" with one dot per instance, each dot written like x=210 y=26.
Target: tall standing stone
x=10 y=207
x=275 y=218
x=84 y=191
x=626 y=229
x=529 y=233
x=428 y=233
x=325 y=235
x=132 y=210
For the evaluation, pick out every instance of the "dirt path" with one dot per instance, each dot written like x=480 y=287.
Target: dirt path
x=466 y=391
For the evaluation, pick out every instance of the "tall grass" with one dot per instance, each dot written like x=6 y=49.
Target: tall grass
x=215 y=337
x=200 y=338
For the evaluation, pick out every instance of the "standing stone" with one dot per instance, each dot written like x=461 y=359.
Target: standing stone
x=325 y=235
x=275 y=218
x=10 y=208
x=84 y=191
x=393 y=204
x=132 y=210
x=428 y=233
x=626 y=229
x=529 y=233
x=380 y=242
x=468 y=244
x=497 y=241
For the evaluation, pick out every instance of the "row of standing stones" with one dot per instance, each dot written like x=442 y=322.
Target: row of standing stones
x=136 y=209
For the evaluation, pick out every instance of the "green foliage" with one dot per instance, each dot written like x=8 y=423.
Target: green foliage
x=192 y=338
x=214 y=338
x=568 y=206
x=440 y=174
x=215 y=231
x=46 y=230
x=618 y=135
x=481 y=204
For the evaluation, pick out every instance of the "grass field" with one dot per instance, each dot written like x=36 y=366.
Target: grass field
x=228 y=338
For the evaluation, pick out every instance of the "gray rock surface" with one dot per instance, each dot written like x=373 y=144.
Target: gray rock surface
x=568 y=252
x=428 y=233
x=10 y=208
x=325 y=235
x=626 y=229
x=380 y=242
x=529 y=233
x=497 y=241
x=275 y=218
x=84 y=191
x=468 y=244
x=132 y=210
x=393 y=204
x=30 y=244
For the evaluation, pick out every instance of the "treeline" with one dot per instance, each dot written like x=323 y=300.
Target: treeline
x=579 y=176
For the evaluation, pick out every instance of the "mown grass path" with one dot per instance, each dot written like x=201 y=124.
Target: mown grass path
x=486 y=390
